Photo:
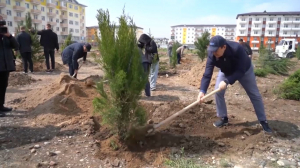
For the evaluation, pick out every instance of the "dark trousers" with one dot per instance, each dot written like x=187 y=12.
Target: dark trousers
x=146 y=70
x=3 y=85
x=71 y=69
x=49 y=52
x=26 y=58
x=178 y=58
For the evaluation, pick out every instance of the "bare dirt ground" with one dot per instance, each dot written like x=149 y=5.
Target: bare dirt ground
x=53 y=124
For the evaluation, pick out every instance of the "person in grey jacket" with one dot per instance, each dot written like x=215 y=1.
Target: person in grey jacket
x=7 y=44
x=72 y=53
x=25 y=42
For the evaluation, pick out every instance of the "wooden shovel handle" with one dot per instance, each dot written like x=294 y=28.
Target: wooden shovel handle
x=183 y=110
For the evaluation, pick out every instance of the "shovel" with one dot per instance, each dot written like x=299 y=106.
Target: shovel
x=77 y=70
x=180 y=112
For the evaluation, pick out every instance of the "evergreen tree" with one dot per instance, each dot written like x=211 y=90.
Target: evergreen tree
x=174 y=54
x=201 y=45
x=67 y=42
x=121 y=62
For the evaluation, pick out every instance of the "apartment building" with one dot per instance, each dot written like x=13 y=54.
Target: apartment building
x=65 y=16
x=95 y=29
x=267 y=28
x=188 y=34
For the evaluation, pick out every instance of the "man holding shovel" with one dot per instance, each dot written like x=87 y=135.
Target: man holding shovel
x=235 y=65
x=72 y=53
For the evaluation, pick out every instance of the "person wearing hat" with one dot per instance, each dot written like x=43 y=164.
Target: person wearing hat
x=235 y=65
x=72 y=53
x=246 y=47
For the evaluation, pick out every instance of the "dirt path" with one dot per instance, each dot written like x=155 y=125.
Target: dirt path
x=44 y=132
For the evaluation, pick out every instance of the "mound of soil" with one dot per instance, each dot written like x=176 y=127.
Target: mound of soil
x=20 y=79
x=194 y=76
x=41 y=66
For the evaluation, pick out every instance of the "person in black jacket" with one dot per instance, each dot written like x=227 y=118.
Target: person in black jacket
x=246 y=47
x=49 y=41
x=25 y=42
x=152 y=54
x=72 y=53
x=7 y=44
x=234 y=65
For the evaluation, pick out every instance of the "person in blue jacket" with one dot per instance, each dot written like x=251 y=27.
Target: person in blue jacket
x=235 y=65
x=72 y=53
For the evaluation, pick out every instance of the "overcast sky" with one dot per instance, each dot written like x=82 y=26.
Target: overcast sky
x=159 y=15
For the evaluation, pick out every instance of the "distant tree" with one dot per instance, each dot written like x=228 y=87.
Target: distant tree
x=67 y=42
x=201 y=45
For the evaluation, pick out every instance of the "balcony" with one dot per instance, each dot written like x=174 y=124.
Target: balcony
x=254 y=41
x=51 y=5
x=82 y=12
x=254 y=48
x=256 y=28
x=2 y=5
x=82 y=20
x=269 y=42
x=50 y=14
x=242 y=22
x=36 y=11
x=64 y=33
x=296 y=28
x=286 y=21
x=19 y=8
x=35 y=2
x=271 y=22
x=63 y=8
x=242 y=28
x=296 y=21
x=64 y=16
x=36 y=21
x=64 y=25
x=3 y=16
x=52 y=23
x=270 y=28
x=18 y=19
x=285 y=28
x=255 y=21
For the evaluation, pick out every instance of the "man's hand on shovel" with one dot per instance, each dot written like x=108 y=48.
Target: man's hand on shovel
x=200 y=96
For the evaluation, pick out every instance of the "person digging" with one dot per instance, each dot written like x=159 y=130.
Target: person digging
x=235 y=65
x=72 y=53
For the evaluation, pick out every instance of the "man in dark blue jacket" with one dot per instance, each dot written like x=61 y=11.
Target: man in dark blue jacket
x=25 y=42
x=72 y=53
x=235 y=65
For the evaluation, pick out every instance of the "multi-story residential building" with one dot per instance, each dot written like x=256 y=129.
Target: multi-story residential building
x=188 y=34
x=267 y=28
x=95 y=29
x=65 y=16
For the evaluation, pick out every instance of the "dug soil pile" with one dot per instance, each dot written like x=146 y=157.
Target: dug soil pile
x=41 y=66
x=194 y=76
x=19 y=79
x=64 y=102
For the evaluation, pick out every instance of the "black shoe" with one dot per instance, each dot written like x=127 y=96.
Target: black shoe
x=5 y=109
x=221 y=123
x=2 y=114
x=266 y=127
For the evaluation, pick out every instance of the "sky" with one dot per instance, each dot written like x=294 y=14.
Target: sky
x=157 y=16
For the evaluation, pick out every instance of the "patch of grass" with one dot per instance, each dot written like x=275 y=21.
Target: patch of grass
x=162 y=66
x=225 y=163
x=290 y=88
x=114 y=145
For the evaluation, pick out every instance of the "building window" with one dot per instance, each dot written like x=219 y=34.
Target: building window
x=34 y=7
x=264 y=19
x=242 y=32
x=57 y=20
x=71 y=30
x=285 y=32
x=77 y=30
x=35 y=16
x=43 y=18
x=271 y=19
x=18 y=3
x=57 y=12
x=9 y=23
x=255 y=32
x=279 y=19
x=76 y=15
x=297 y=19
x=254 y=45
x=243 y=19
x=255 y=39
x=256 y=19
x=70 y=22
x=271 y=25
x=70 y=6
x=263 y=26
x=250 y=19
x=278 y=26
x=43 y=9
x=296 y=25
x=56 y=5
x=270 y=33
x=242 y=25
x=286 y=19
x=19 y=14
x=50 y=10
x=256 y=25
x=57 y=28
x=27 y=5
x=76 y=7
x=8 y=2
x=286 y=26
x=295 y=33
x=70 y=14
x=8 y=12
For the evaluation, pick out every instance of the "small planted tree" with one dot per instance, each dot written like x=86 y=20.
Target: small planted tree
x=67 y=42
x=174 y=54
x=290 y=88
x=121 y=62
x=201 y=45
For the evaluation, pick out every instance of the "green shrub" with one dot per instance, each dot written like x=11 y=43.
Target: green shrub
x=290 y=88
x=121 y=63
x=176 y=45
x=67 y=42
x=201 y=45
x=260 y=72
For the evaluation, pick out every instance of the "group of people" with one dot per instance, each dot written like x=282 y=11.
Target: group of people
x=232 y=59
